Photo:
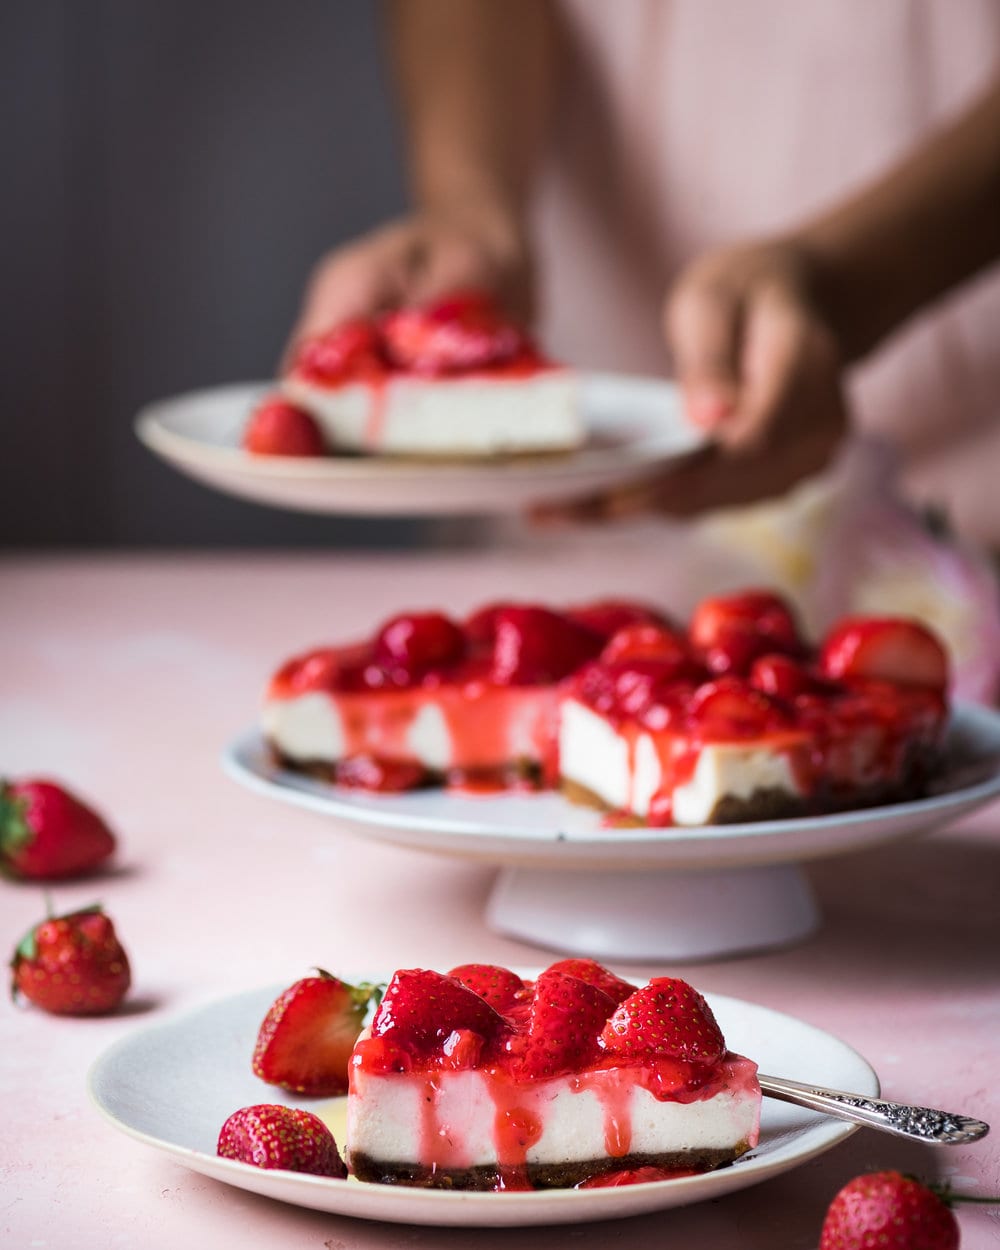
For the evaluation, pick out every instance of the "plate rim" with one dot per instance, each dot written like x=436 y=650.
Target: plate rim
x=444 y=1207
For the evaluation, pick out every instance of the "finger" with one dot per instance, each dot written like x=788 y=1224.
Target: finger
x=703 y=324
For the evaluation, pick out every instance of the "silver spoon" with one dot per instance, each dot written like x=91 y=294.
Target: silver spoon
x=942 y=1128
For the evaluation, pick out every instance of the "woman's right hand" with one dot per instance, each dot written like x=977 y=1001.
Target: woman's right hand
x=415 y=259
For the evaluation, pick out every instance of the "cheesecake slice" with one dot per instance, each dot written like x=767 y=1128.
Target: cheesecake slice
x=453 y=379
x=479 y=1080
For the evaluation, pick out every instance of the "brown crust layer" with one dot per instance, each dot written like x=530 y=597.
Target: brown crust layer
x=540 y=1176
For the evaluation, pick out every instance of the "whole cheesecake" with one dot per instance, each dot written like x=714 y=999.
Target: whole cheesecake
x=733 y=717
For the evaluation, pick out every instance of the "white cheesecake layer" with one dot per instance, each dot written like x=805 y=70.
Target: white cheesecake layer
x=461 y=1119
x=625 y=771
x=473 y=416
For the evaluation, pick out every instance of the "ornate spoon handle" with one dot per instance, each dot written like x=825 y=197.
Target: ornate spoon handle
x=943 y=1128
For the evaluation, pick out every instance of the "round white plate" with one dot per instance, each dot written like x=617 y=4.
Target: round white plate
x=546 y=831
x=635 y=426
x=173 y=1085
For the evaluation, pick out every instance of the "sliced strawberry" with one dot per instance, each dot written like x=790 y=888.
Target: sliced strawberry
x=532 y=645
x=765 y=613
x=735 y=651
x=305 y=1040
x=889 y=648
x=781 y=676
x=456 y=335
x=481 y=626
x=500 y=987
x=47 y=833
x=380 y=776
x=271 y=1136
x=350 y=352
x=634 y=1176
x=607 y=616
x=729 y=708
x=565 y=1019
x=648 y=642
x=72 y=965
x=667 y=1017
x=421 y=1009
x=593 y=973
x=278 y=428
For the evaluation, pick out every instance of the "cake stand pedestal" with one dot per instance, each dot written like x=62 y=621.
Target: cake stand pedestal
x=686 y=915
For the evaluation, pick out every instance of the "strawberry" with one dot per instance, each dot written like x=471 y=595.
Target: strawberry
x=758 y=611
x=593 y=973
x=729 y=708
x=890 y=1211
x=648 y=642
x=533 y=645
x=306 y=1038
x=47 y=833
x=278 y=428
x=417 y=641
x=456 y=335
x=666 y=1017
x=500 y=987
x=634 y=1176
x=421 y=1009
x=781 y=676
x=564 y=1020
x=271 y=1136
x=72 y=965
x=380 y=776
x=607 y=616
x=350 y=351
x=888 y=648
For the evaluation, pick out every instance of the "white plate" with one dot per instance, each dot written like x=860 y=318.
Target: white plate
x=635 y=426
x=173 y=1085
x=546 y=831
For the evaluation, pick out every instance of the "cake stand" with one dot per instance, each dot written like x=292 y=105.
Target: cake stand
x=567 y=883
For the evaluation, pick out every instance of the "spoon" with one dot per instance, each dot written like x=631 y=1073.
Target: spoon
x=941 y=1128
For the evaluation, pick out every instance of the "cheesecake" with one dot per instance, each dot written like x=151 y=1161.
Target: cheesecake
x=732 y=717
x=455 y=379
x=477 y=1079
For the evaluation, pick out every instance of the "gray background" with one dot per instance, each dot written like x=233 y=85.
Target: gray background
x=173 y=169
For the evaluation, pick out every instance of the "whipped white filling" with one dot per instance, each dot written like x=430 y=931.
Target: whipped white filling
x=453 y=416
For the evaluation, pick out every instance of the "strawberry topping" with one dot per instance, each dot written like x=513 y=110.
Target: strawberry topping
x=666 y=1017
x=887 y=648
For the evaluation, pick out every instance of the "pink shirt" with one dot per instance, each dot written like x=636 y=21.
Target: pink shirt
x=692 y=122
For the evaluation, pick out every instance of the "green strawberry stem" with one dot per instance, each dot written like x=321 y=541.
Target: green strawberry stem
x=14 y=828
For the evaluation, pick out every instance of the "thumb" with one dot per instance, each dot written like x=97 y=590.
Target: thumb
x=702 y=323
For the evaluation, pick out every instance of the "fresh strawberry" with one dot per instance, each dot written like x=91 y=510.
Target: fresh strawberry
x=500 y=987
x=351 y=351
x=765 y=613
x=890 y=1211
x=607 y=616
x=417 y=641
x=889 y=648
x=593 y=973
x=306 y=1038
x=666 y=1017
x=72 y=965
x=729 y=708
x=421 y=1009
x=456 y=335
x=564 y=1020
x=380 y=776
x=533 y=645
x=278 y=428
x=47 y=833
x=271 y=1136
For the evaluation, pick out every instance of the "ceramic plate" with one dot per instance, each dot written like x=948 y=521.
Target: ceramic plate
x=173 y=1085
x=634 y=425
x=546 y=831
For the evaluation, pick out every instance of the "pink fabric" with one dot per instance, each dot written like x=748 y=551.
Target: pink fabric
x=687 y=123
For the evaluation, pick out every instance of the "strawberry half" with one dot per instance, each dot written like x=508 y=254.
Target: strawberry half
x=565 y=1018
x=666 y=1017
x=305 y=1040
x=888 y=648
x=47 y=833
x=890 y=1211
x=593 y=973
x=421 y=1009
x=271 y=1136
x=533 y=644
x=72 y=965
x=500 y=987
x=761 y=612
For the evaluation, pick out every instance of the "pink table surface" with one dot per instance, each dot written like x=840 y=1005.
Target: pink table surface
x=127 y=676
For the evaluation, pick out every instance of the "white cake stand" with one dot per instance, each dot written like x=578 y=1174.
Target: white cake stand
x=568 y=884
